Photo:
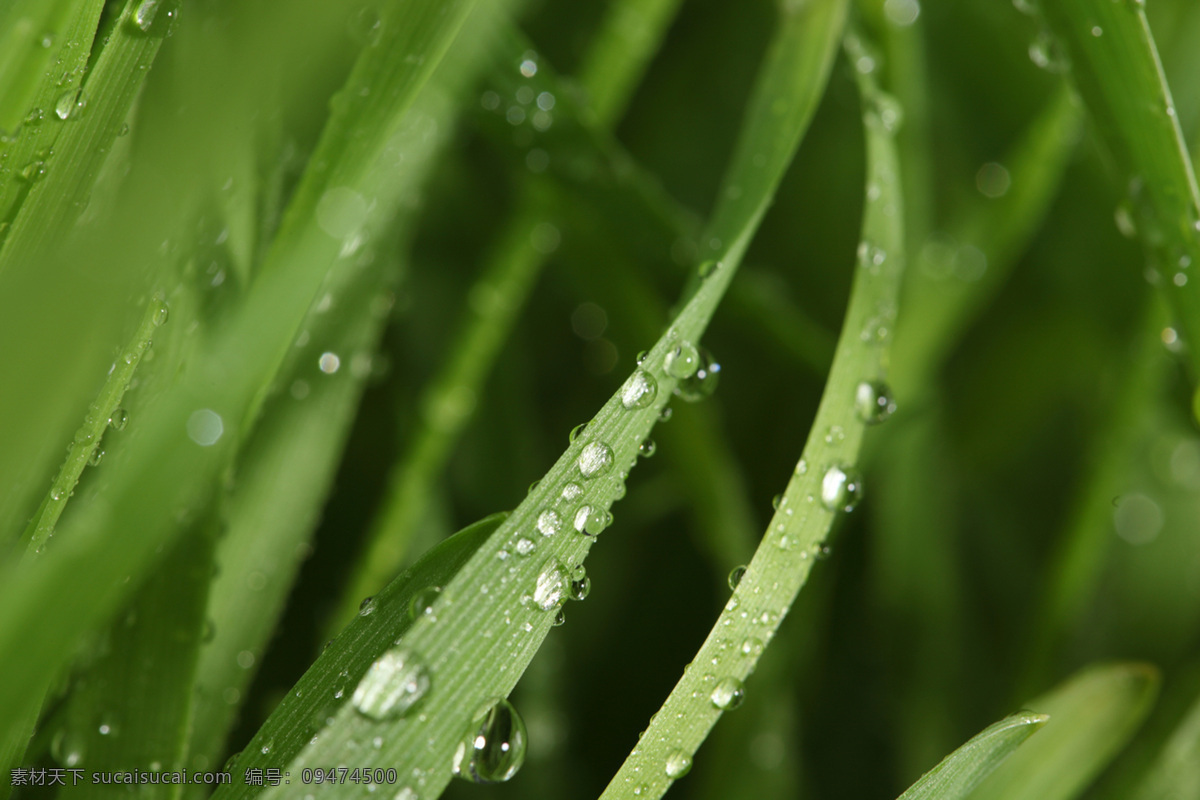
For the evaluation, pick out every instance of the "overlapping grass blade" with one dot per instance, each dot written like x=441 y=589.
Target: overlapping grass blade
x=1092 y=716
x=1116 y=66
x=824 y=484
x=1176 y=771
x=962 y=770
x=49 y=604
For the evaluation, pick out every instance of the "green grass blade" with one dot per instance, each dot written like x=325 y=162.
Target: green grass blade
x=1115 y=64
x=104 y=412
x=46 y=606
x=1092 y=716
x=962 y=770
x=1176 y=771
x=622 y=48
x=809 y=507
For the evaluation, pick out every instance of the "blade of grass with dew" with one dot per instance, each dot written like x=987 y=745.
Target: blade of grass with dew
x=286 y=468
x=1176 y=771
x=630 y=34
x=962 y=770
x=500 y=604
x=1092 y=715
x=1115 y=64
x=46 y=606
x=43 y=56
x=824 y=484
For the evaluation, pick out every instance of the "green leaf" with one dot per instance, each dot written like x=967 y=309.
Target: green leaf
x=1176 y=771
x=962 y=770
x=1092 y=716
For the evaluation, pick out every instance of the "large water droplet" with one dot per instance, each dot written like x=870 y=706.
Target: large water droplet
x=551 y=588
x=595 y=459
x=391 y=686
x=69 y=104
x=494 y=748
x=678 y=764
x=728 y=694
x=549 y=522
x=682 y=360
x=841 y=488
x=702 y=382
x=143 y=16
x=591 y=520
x=639 y=390
x=873 y=402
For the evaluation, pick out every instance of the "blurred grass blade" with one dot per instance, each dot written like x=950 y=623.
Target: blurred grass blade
x=1092 y=716
x=962 y=770
x=1176 y=771
x=824 y=483
x=104 y=412
x=45 y=607
x=631 y=33
x=1115 y=64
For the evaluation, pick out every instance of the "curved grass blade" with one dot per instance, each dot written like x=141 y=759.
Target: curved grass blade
x=809 y=506
x=1115 y=64
x=962 y=770
x=631 y=33
x=1092 y=716
x=1176 y=771
x=501 y=604
x=46 y=606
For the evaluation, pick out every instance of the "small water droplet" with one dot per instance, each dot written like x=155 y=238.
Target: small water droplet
x=571 y=492
x=703 y=380
x=551 y=588
x=161 y=311
x=728 y=694
x=118 y=418
x=595 y=459
x=777 y=501
x=678 y=764
x=143 y=16
x=34 y=117
x=67 y=748
x=873 y=402
x=841 y=488
x=682 y=360
x=525 y=546
x=665 y=414
x=69 y=104
x=581 y=584
x=647 y=448
x=735 y=576
x=639 y=390
x=422 y=602
x=97 y=456
x=752 y=647
x=395 y=682
x=366 y=607
x=576 y=431
x=559 y=618
x=549 y=522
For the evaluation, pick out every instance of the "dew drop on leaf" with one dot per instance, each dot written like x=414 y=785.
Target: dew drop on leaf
x=647 y=448
x=161 y=311
x=639 y=390
x=118 y=418
x=678 y=764
x=728 y=694
x=391 y=686
x=366 y=607
x=422 y=602
x=596 y=459
x=682 y=360
x=703 y=380
x=873 y=402
x=591 y=520
x=581 y=584
x=493 y=750
x=735 y=576
x=549 y=522
x=841 y=488
x=551 y=588
x=570 y=492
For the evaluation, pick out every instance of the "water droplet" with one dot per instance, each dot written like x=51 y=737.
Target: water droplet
x=591 y=520
x=841 y=488
x=835 y=435
x=391 y=686
x=777 y=501
x=35 y=117
x=143 y=16
x=596 y=459
x=678 y=764
x=728 y=694
x=551 y=587
x=549 y=522
x=873 y=402
x=422 y=602
x=161 y=311
x=752 y=647
x=703 y=381
x=665 y=414
x=581 y=584
x=367 y=607
x=639 y=390
x=1045 y=53
x=571 y=492
x=69 y=104
x=576 y=431
x=559 y=618
x=647 y=448
x=525 y=546
x=682 y=361
x=735 y=576
x=67 y=748
x=97 y=456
